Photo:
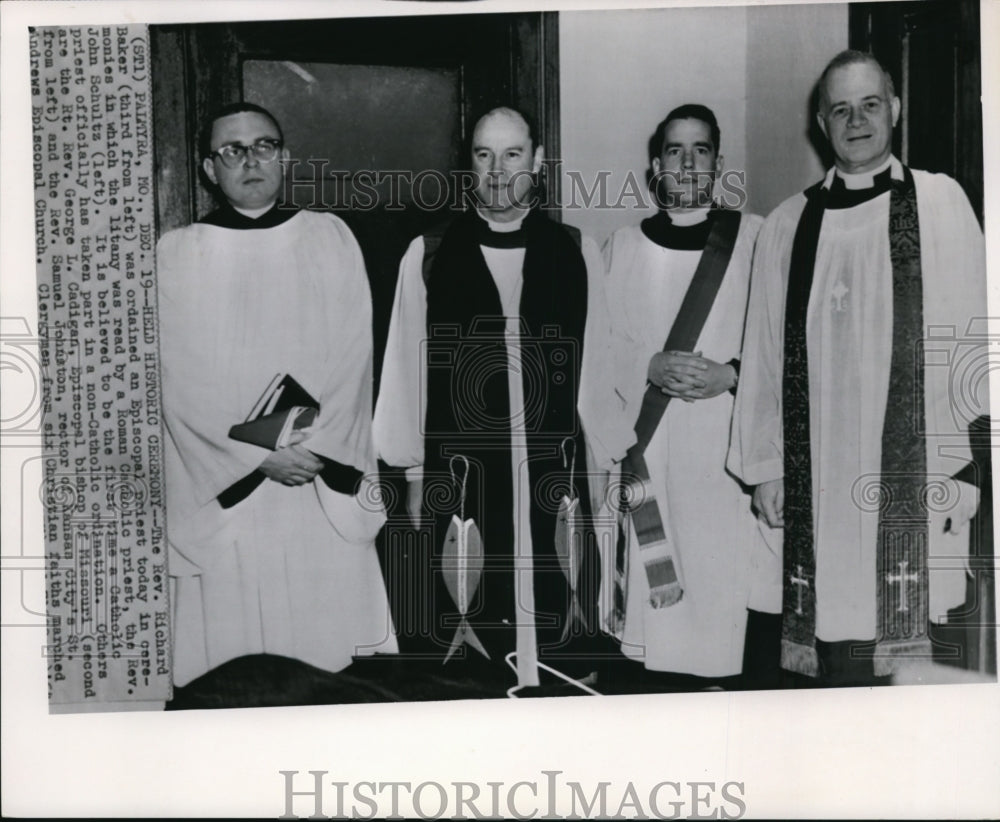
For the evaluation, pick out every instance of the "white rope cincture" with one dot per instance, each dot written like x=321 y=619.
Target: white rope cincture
x=511 y=692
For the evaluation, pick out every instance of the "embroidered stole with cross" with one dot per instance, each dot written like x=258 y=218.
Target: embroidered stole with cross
x=901 y=565
x=656 y=548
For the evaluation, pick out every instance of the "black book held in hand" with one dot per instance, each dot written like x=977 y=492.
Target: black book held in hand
x=285 y=406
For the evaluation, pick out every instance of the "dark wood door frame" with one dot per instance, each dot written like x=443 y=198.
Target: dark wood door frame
x=502 y=59
x=892 y=32
x=183 y=56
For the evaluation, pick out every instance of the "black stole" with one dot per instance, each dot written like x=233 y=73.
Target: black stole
x=468 y=413
x=901 y=567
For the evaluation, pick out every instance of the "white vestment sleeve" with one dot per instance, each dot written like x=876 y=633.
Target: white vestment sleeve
x=197 y=407
x=402 y=400
x=626 y=380
x=756 y=450
x=956 y=362
x=954 y=271
x=342 y=431
x=600 y=410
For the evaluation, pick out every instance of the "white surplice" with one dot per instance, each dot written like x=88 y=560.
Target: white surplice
x=288 y=570
x=402 y=401
x=849 y=341
x=704 y=509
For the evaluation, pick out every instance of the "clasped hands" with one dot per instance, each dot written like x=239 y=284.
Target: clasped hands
x=292 y=465
x=689 y=376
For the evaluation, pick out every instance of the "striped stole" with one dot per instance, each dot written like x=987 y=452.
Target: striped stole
x=901 y=565
x=657 y=551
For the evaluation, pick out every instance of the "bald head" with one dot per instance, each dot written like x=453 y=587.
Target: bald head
x=506 y=117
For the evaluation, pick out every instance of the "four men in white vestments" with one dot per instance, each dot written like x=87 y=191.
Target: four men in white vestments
x=691 y=259
x=492 y=361
x=270 y=550
x=849 y=433
x=495 y=398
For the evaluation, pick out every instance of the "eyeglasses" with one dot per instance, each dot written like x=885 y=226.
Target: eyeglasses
x=234 y=154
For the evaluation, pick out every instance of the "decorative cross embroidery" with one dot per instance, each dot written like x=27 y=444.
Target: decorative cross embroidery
x=800 y=582
x=902 y=578
x=839 y=293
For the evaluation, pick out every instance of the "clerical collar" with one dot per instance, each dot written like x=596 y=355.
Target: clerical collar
x=841 y=196
x=501 y=235
x=686 y=217
x=850 y=190
x=229 y=217
x=254 y=213
x=862 y=179
x=666 y=233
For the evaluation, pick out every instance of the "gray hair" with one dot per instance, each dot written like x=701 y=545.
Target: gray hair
x=850 y=57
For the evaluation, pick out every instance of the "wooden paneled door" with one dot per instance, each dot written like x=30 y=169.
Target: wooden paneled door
x=364 y=95
x=932 y=50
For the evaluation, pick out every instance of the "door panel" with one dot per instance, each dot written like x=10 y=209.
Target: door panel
x=932 y=50
x=386 y=94
x=452 y=69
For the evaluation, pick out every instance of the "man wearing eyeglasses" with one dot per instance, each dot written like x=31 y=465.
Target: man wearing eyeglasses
x=271 y=551
x=850 y=432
